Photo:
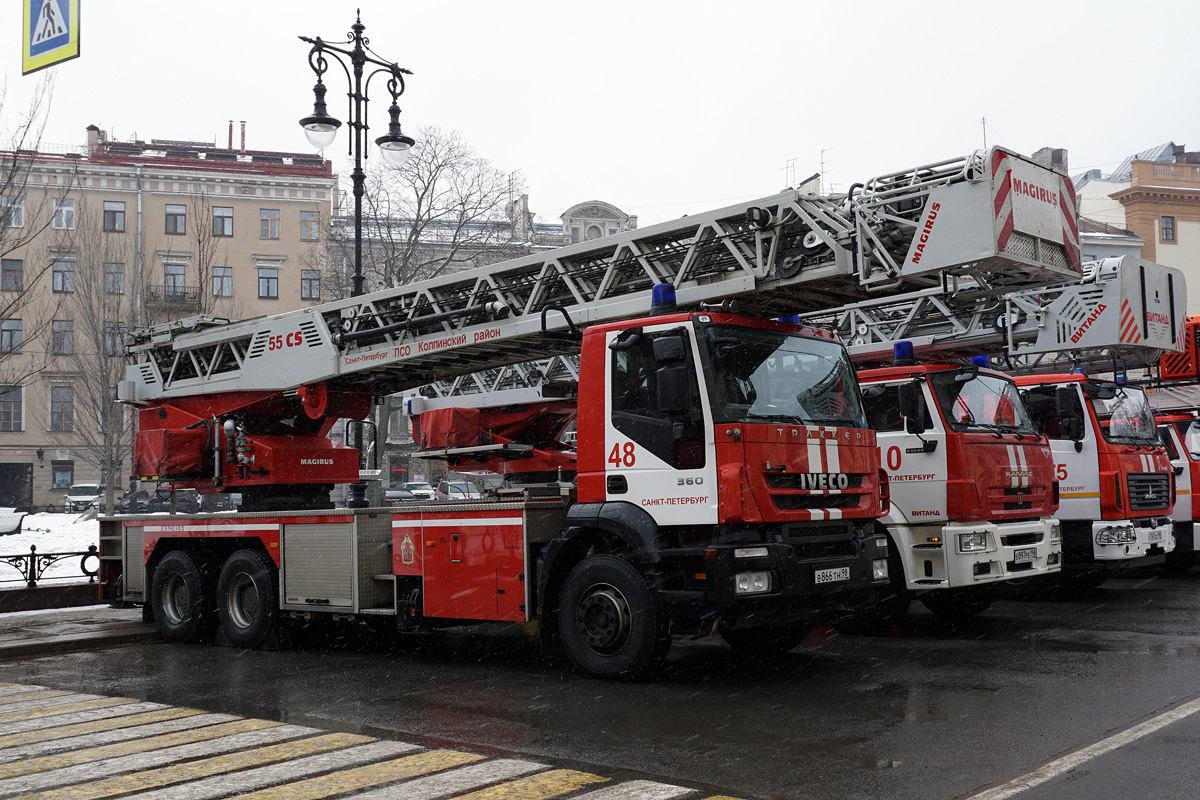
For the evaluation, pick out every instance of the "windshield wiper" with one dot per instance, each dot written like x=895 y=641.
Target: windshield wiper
x=987 y=426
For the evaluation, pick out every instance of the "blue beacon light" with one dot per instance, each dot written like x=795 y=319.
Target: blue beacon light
x=903 y=352
x=981 y=361
x=662 y=298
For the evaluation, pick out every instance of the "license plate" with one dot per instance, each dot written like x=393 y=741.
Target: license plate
x=832 y=575
x=1156 y=536
x=1025 y=555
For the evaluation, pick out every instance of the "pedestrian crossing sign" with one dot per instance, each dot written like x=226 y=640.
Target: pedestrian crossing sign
x=50 y=34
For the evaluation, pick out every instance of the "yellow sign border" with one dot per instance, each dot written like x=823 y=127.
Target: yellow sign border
x=57 y=55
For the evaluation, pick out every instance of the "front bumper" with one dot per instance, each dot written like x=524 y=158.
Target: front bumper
x=799 y=585
x=941 y=556
x=1139 y=538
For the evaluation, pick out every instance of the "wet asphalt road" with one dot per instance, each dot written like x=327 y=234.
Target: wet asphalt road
x=931 y=711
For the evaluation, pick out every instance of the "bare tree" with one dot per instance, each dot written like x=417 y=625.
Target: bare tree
x=87 y=347
x=444 y=210
x=35 y=236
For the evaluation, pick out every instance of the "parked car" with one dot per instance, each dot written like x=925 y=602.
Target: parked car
x=457 y=490
x=422 y=491
x=395 y=497
x=187 y=501
x=134 y=503
x=81 y=496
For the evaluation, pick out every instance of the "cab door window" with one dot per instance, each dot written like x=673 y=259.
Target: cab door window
x=676 y=438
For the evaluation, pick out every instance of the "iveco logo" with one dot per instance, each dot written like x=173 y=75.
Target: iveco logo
x=822 y=480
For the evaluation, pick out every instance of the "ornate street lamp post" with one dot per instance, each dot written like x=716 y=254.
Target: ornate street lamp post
x=321 y=129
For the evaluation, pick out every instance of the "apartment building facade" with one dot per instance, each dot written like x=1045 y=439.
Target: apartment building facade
x=117 y=235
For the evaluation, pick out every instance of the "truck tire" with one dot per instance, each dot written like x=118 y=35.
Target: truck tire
x=887 y=608
x=607 y=620
x=766 y=641
x=958 y=605
x=182 y=596
x=247 y=598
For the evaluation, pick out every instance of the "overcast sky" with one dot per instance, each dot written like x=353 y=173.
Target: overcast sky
x=661 y=108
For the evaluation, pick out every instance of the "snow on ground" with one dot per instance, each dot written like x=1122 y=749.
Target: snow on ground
x=51 y=533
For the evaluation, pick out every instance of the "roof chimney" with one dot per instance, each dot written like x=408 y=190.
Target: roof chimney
x=1053 y=157
x=243 y=136
x=94 y=138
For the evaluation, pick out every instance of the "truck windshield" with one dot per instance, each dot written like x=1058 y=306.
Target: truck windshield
x=1126 y=417
x=983 y=402
x=771 y=376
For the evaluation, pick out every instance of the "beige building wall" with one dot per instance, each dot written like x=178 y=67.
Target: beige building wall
x=1095 y=203
x=1162 y=205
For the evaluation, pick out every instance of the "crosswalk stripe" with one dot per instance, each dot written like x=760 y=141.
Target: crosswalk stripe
x=50 y=700
x=141 y=745
x=364 y=777
x=50 y=711
x=537 y=787
x=261 y=777
x=77 y=777
x=179 y=773
x=48 y=744
x=637 y=790
x=18 y=688
x=91 y=715
x=6 y=701
x=453 y=782
x=85 y=734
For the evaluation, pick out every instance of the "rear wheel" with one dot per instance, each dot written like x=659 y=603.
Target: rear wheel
x=766 y=641
x=959 y=604
x=181 y=593
x=247 y=598
x=607 y=621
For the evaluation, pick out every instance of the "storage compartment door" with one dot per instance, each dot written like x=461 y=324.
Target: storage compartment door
x=318 y=566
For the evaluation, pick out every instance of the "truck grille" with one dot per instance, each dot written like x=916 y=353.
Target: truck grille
x=786 y=480
x=1149 y=491
x=795 y=502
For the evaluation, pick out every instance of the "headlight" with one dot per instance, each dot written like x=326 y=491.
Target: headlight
x=1055 y=533
x=749 y=552
x=879 y=569
x=752 y=582
x=1121 y=535
x=972 y=542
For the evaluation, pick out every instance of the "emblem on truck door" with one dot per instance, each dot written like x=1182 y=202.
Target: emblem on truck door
x=407 y=550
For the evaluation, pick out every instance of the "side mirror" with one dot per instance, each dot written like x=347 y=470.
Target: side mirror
x=912 y=406
x=669 y=349
x=674 y=393
x=1064 y=401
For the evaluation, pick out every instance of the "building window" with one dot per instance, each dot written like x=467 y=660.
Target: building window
x=64 y=276
x=1168 y=229
x=114 y=336
x=114 y=217
x=310 y=284
x=310 y=225
x=10 y=409
x=174 y=276
x=10 y=337
x=62 y=474
x=176 y=219
x=64 y=215
x=12 y=212
x=268 y=283
x=62 y=408
x=62 y=337
x=268 y=223
x=222 y=281
x=114 y=278
x=12 y=275
x=222 y=221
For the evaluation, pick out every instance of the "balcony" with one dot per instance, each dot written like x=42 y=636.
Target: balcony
x=174 y=297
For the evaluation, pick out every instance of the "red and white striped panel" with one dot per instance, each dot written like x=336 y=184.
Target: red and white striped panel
x=1003 y=203
x=1130 y=332
x=824 y=456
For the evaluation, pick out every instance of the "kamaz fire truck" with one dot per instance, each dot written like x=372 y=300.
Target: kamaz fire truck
x=975 y=477
x=725 y=477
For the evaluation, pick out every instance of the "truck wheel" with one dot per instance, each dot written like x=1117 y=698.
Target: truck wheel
x=768 y=640
x=247 y=598
x=957 y=605
x=607 y=619
x=887 y=608
x=182 y=596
